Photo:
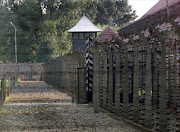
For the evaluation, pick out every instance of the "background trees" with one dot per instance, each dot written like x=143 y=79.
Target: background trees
x=42 y=25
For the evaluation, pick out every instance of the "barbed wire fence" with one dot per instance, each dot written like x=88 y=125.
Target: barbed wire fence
x=138 y=77
x=135 y=77
x=66 y=73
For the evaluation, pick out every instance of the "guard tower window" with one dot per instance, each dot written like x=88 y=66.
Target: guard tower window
x=81 y=35
x=90 y=35
x=75 y=35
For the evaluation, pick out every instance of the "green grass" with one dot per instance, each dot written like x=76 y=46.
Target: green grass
x=4 y=111
x=8 y=99
x=106 y=114
x=19 y=80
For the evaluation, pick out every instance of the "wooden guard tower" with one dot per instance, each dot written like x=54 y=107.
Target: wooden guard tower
x=81 y=31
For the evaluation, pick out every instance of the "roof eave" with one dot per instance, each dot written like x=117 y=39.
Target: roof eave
x=84 y=31
x=153 y=19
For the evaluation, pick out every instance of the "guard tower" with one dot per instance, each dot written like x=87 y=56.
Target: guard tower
x=81 y=31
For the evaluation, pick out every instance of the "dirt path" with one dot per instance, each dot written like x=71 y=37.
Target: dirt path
x=37 y=107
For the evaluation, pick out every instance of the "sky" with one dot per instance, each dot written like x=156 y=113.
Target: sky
x=142 y=6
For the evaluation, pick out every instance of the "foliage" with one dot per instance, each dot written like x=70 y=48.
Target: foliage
x=6 y=34
x=114 y=12
x=42 y=25
x=18 y=80
x=5 y=110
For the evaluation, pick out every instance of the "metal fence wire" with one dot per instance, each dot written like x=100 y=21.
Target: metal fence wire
x=135 y=76
x=138 y=77
x=65 y=72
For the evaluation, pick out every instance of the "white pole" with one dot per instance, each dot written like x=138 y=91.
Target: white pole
x=15 y=41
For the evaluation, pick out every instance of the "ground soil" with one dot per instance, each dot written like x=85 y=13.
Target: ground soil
x=37 y=107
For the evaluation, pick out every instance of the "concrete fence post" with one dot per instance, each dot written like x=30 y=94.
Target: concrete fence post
x=163 y=90
x=1 y=89
x=110 y=84
x=96 y=79
x=104 y=103
x=5 y=89
x=155 y=79
x=178 y=118
x=117 y=84
x=126 y=84
x=148 y=88
x=136 y=85
x=2 y=93
x=73 y=79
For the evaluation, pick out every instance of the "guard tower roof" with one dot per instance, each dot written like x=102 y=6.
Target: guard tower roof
x=107 y=35
x=84 y=25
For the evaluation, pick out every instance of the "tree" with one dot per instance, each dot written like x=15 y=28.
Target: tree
x=6 y=35
x=114 y=12
x=43 y=24
x=50 y=43
x=29 y=19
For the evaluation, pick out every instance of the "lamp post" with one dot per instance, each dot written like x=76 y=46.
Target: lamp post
x=15 y=41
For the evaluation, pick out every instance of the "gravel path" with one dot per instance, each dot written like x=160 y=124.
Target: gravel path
x=37 y=107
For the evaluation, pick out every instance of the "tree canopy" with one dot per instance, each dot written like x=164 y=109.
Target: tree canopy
x=42 y=25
